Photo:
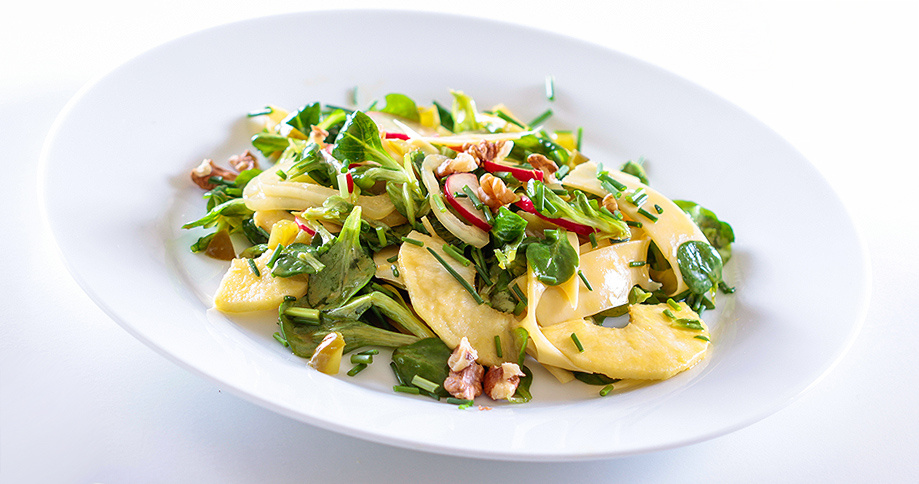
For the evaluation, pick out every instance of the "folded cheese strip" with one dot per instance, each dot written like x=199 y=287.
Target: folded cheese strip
x=445 y=305
x=650 y=347
x=611 y=278
x=671 y=230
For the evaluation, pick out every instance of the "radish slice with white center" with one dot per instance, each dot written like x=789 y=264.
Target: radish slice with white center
x=454 y=185
x=527 y=205
x=521 y=174
x=469 y=234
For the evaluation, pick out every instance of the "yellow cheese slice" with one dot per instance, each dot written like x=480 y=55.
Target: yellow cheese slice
x=607 y=269
x=242 y=291
x=446 y=306
x=542 y=349
x=648 y=348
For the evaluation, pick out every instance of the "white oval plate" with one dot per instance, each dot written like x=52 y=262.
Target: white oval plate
x=116 y=191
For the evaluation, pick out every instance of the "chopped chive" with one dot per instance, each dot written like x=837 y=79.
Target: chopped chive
x=702 y=337
x=473 y=197
x=562 y=171
x=498 y=349
x=580 y=137
x=406 y=389
x=604 y=177
x=303 y=313
x=593 y=239
x=519 y=293
x=465 y=405
x=439 y=202
x=673 y=304
x=393 y=259
x=424 y=384
x=398 y=375
x=632 y=223
x=358 y=358
x=395 y=270
x=289 y=299
x=501 y=114
x=550 y=88
x=218 y=180
x=585 y=281
x=381 y=235
x=456 y=276
x=357 y=369
x=480 y=267
x=281 y=339
x=454 y=253
x=254 y=268
x=459 y=195
x=542 y=117
x=577 y=342
x=275 y=255
x=605 y=390
x=669 y=314
x=540 y=197
x=458 y=401
x=413 y=241
x=549 y=280
x=637 y=263
x=650 y=216
x=658 y=209
x=725 y=288
x=519 y=307
x=281 y=174
x=685 y=323
x=372 y=351
x=354 y=96
x=560 y=191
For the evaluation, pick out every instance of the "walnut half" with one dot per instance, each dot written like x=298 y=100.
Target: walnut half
x=501 y=381
x=202 y=174
x=465 y=379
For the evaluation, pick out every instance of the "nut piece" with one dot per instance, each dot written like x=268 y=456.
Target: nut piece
x=543 y=164
x=609 y=201
x=202 y=174
x=501 y=381
x=494 y=193
x=243 y=162
x=489 y=150
x=465 y=379
x=463 y=163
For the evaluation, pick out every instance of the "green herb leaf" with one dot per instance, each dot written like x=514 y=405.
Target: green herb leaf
x=401 y=105
x=719 y=234
x=348 y=267
x=554 y=260
x=700 y=264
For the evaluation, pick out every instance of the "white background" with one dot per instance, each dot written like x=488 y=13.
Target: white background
x=82 y=401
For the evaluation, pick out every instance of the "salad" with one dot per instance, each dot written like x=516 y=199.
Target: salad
x=471 y=243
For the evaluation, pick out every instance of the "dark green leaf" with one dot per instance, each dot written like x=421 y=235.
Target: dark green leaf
x=554 y=260
x=304 y=118
x=426 y=358
x=700 y=264
x=348 y=267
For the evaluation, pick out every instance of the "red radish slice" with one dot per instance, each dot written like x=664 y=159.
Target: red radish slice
x=303 y=226
x=454 y=184
x=389 y=135
x=521 y=174
x=527 y=205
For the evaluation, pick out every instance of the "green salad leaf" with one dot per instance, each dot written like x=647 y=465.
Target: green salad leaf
x=554 y=260
x=700 y=264
x=348 y=267
x=719 y=233
x=401 y=105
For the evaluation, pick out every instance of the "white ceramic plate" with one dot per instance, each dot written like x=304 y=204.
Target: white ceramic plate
x=116 y=191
